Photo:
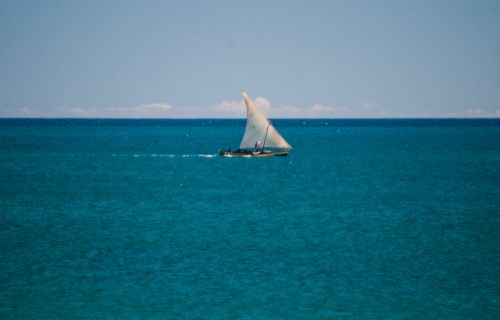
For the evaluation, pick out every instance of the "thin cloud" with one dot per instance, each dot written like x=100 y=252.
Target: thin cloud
x=322 y=111
x=229 y=109
x=236 y=107
x=224 y=109
x=321 y=108
x=80 y=111
x=153 y=110
x=26 y=111
x=263 y=105
x=285 y=112
x=153 y=107
x=233 y=108
x=475 y=112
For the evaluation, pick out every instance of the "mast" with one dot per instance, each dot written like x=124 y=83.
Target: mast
x=265 y=137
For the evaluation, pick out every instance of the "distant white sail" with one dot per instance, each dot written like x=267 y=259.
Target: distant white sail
x=259 y=128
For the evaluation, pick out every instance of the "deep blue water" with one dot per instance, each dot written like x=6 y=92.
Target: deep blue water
x=138 y=219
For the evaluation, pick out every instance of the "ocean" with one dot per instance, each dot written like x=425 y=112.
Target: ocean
x=140 y=219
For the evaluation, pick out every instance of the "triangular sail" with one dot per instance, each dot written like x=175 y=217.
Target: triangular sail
x=259 y=128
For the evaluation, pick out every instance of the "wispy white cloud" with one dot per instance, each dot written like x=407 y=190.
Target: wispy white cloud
x=372 y=109
x=153 y=110
x=153 y=107
x=236 y=109
x=263 y=105
x=319 y=108
x=232 y=107
x=323 y=111
x=26 y=111
x=285 y=112
x=80 y=111
x=474 y=112
x=18 y=112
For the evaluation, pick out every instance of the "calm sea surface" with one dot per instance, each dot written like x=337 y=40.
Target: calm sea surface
x=139 y=219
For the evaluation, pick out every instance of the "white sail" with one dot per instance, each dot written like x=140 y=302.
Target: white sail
x=259 y=128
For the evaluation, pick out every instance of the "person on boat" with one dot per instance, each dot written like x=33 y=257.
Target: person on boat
x=257 y=145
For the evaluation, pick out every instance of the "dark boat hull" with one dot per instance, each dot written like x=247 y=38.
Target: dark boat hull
x=251 y=154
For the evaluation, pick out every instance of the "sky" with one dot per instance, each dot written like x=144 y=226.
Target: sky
x=296 y=59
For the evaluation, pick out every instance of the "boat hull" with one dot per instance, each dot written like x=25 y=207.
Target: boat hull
x=252 y=154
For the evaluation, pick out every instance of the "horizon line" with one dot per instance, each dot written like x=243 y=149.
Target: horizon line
x=205 y=118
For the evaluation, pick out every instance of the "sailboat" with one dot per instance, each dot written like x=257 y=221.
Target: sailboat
x=261 y=139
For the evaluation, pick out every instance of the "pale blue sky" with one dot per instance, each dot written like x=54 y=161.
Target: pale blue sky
x=165 y=59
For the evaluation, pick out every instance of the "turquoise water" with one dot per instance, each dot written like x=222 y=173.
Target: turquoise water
x=137 y=219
